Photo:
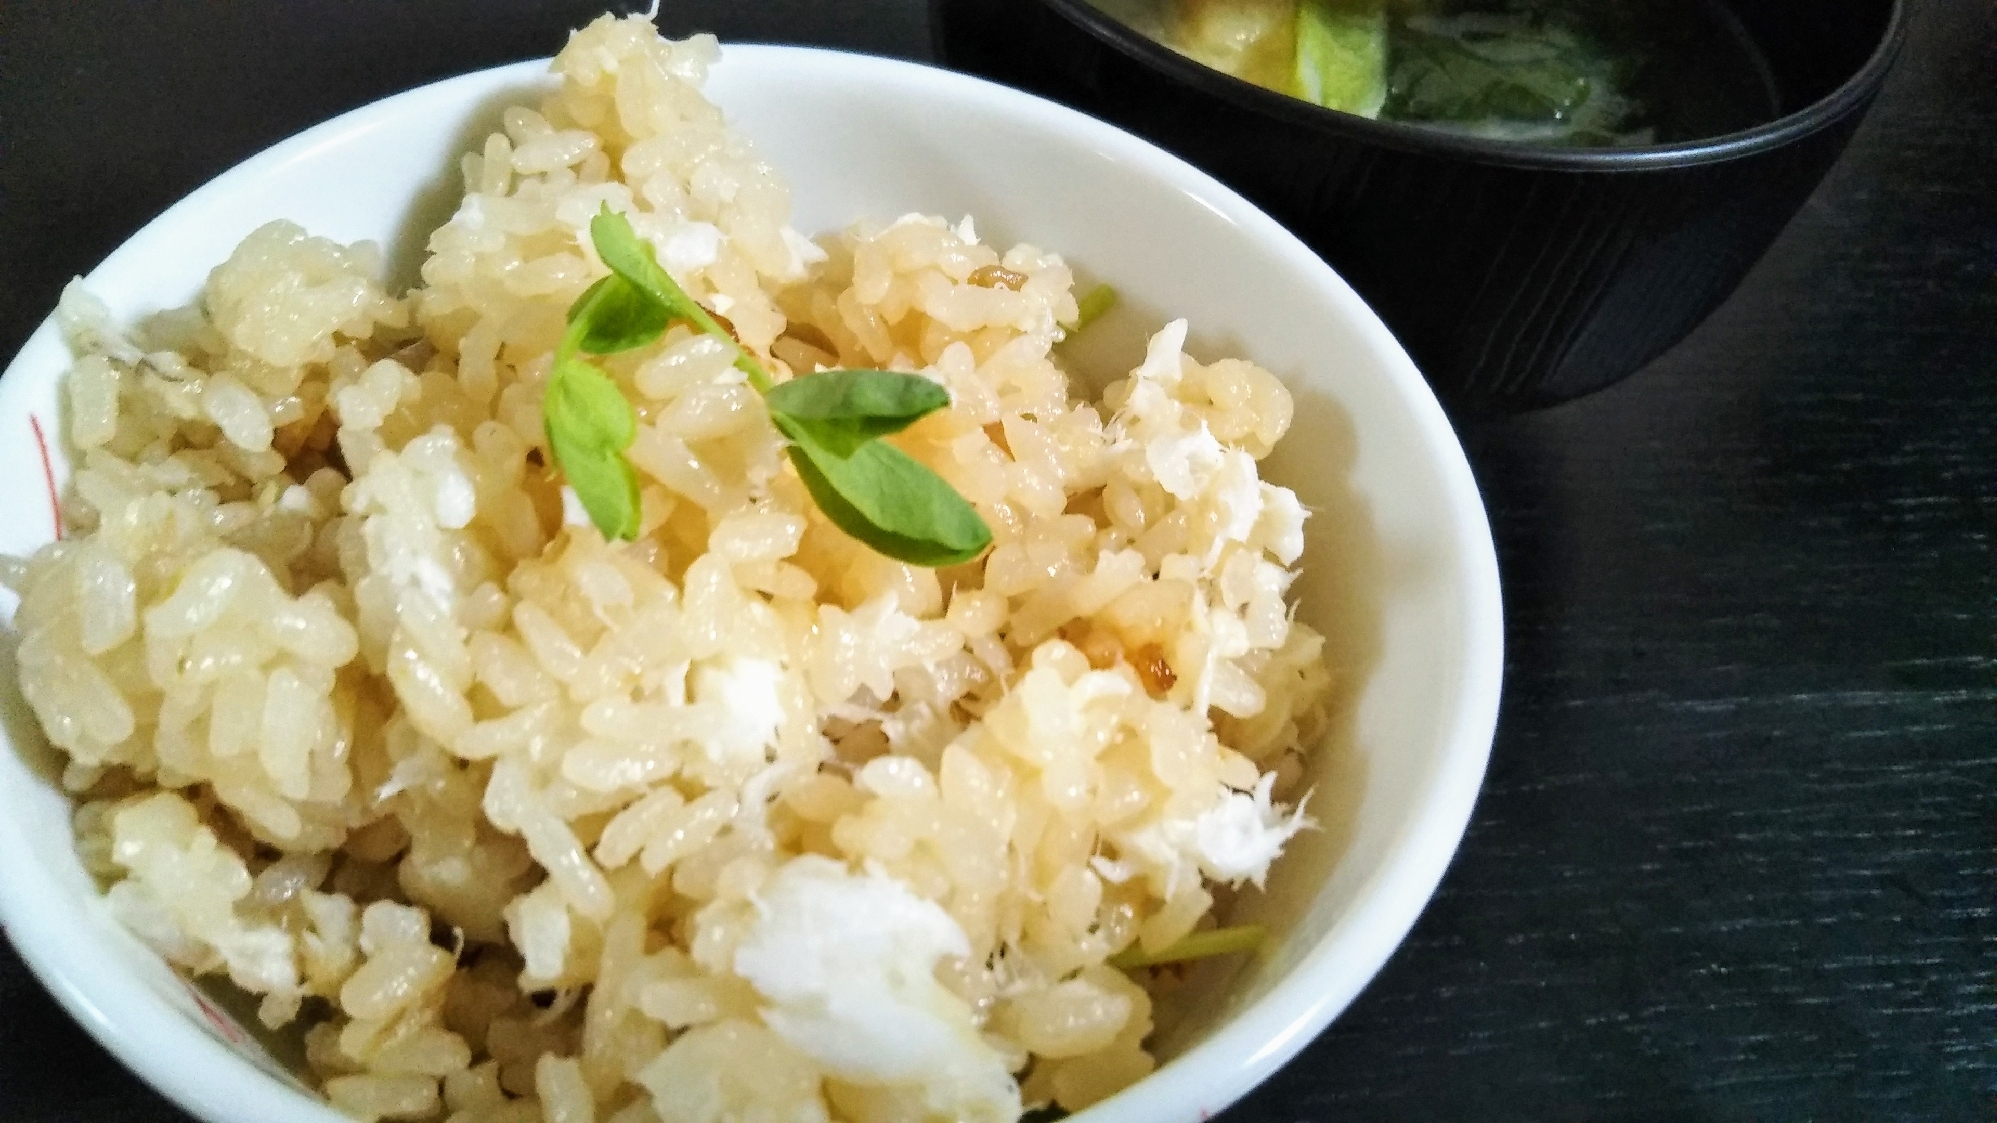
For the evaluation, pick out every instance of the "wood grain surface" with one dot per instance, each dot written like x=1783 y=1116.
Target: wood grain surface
x=1735 y=857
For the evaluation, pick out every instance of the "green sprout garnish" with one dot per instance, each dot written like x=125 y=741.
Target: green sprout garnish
x=833 y=419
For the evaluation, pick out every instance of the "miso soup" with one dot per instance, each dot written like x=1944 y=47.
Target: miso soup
x=1567 y=72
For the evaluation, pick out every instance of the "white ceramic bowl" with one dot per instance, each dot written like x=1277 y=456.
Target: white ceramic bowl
x=1399 y=570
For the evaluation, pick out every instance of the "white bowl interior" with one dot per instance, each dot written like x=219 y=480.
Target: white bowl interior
x=1399 y=571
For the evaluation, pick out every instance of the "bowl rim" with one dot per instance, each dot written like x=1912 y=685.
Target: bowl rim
x=197 y=1070
x=1849 y=96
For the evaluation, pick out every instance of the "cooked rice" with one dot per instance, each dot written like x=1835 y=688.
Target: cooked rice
x=739 y=821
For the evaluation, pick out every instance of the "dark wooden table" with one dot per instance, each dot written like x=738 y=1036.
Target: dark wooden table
x=1735 y=857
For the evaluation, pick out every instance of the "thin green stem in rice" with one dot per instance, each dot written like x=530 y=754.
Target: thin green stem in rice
x=1199 y=945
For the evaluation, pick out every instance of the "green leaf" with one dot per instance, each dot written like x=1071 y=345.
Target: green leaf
x=589 y=424
x=606 y=484
x=613 y=315
x=1342 y=55
x=887 y=500
x=586 y=408
x=844 y=409
x=630 y=257
x=582 y=303
x=1516 y=76
x=1199 y=945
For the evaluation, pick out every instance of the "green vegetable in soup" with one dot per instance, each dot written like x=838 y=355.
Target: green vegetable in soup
x=1526 y=70
x=1254 y=40
x=1328 y=52
x=1506 y=75
x=1342 y=55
